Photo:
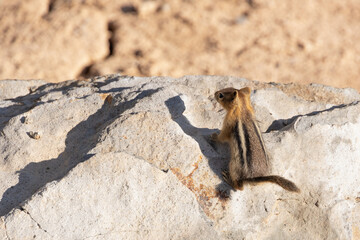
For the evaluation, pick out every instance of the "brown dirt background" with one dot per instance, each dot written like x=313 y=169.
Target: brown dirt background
x=279 y=41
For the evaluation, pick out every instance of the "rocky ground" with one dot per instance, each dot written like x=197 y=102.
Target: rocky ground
x=130 y=158
x=280 y=41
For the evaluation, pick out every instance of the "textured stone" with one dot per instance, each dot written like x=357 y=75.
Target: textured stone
x=125 y=157
x=128 y=199
x=14 y=88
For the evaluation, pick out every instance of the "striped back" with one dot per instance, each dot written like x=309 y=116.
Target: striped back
x=251 y=152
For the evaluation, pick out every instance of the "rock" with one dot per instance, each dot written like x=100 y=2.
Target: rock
x=13 y=88
x=137 y=201
x=127 y=158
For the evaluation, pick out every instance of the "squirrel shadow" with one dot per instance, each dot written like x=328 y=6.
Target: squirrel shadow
x=216 y=153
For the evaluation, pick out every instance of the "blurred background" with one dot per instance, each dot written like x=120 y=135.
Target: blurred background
x=303 y=41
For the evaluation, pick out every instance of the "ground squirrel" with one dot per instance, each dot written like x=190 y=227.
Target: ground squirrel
x=249 y=161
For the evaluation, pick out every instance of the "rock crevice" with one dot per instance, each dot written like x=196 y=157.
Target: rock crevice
x=38 y=224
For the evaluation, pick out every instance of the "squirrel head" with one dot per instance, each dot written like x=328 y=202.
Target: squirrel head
x=231 y=98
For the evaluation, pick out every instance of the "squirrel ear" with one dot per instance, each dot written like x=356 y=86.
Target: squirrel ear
x=246 y=90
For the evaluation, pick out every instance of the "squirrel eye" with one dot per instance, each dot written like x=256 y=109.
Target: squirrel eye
x=234 y=93
x=221 y=95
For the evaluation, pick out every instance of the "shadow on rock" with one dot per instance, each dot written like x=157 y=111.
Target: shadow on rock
x=24 y=103
x=79 y=141
x=284 y=124
x=216 y=153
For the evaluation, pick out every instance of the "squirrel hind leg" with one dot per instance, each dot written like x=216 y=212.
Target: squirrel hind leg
x=226 y=176
x=237 y=185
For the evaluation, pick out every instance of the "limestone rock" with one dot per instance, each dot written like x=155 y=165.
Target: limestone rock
x=13 y=88
x=128 y=157
x=137 y=201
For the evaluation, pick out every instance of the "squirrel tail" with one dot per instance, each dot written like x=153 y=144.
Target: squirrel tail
x=282 y=182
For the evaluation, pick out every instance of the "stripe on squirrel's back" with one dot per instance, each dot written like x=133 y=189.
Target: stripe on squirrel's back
x=258 y=134
x=247 y=145
x=243 y=144
x=237 y=136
